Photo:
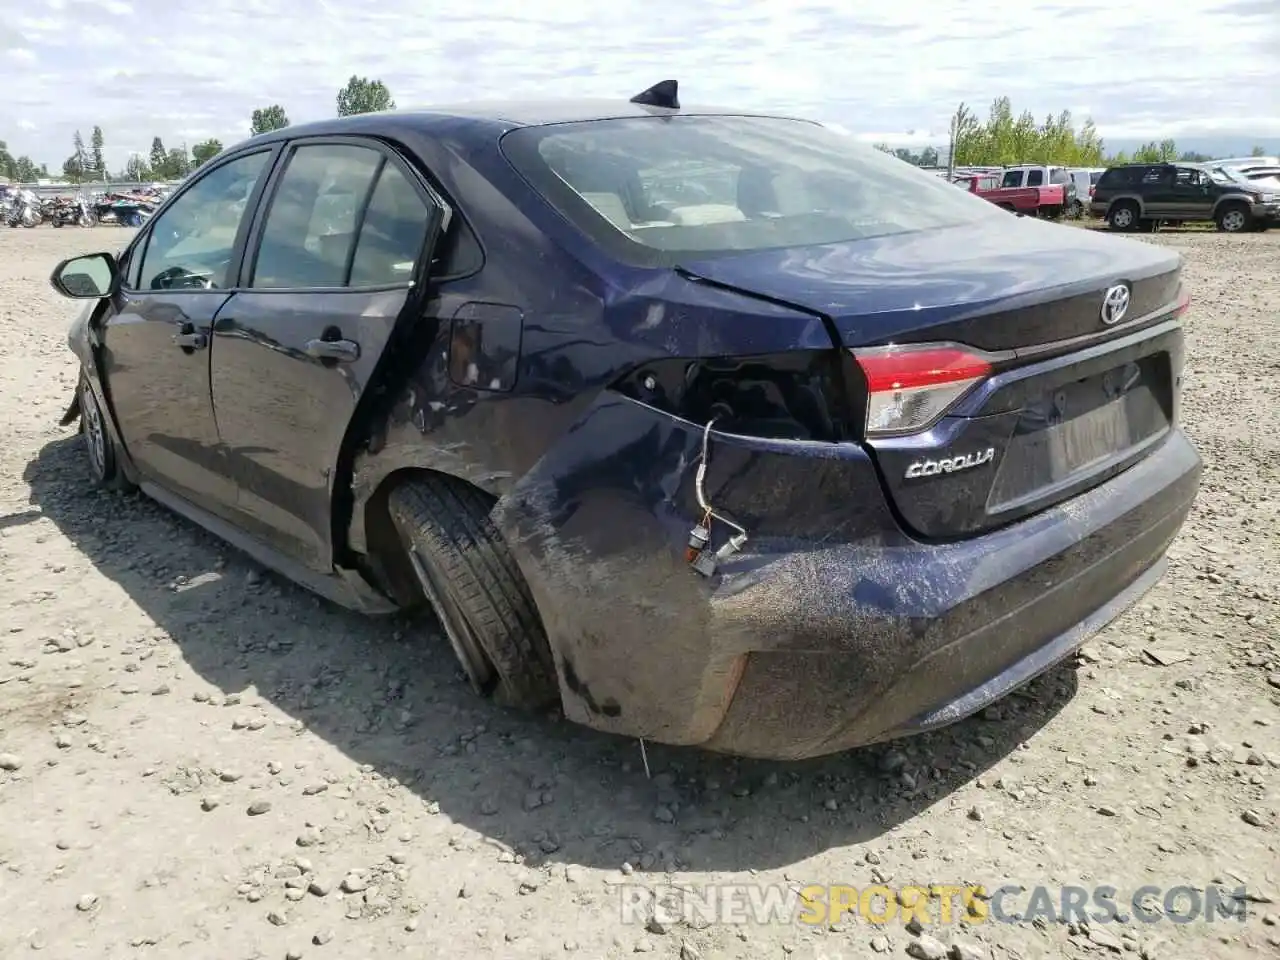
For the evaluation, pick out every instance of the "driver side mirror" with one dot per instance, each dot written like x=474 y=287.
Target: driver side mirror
x=89 y=277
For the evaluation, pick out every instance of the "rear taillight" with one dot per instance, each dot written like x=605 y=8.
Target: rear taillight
x=910 y=387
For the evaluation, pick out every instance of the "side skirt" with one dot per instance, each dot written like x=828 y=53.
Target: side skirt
x=346 y=588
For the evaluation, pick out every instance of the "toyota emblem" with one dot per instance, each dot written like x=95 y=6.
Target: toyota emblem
x=1115 y=304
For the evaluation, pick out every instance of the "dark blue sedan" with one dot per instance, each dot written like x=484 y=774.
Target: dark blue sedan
x=715 y=428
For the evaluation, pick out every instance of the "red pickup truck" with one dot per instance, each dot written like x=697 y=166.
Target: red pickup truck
x=1046 y=201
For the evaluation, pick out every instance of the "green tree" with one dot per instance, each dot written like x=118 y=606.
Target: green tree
x=99 y=164
x=362 y=95
x=266 y=119
x=965 y=136
x=176 y=164
x=72 y=171
x=136 y=169
x=1168 y=151
x=8 y=164
x=205 y=151
x=159 y=157
x=24 y=171
x=1257 y=151
x=80 y=162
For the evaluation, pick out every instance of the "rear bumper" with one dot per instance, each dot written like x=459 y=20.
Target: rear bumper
x=835 y=629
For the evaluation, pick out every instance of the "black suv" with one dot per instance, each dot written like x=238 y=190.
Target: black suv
x=1138 y=195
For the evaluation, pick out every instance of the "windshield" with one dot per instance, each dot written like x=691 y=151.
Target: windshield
x=651 y=189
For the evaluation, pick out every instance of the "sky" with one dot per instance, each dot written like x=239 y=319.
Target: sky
x=889 y=72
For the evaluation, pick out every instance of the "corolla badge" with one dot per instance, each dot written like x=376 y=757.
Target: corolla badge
x=966 y=461
x=1115 y=304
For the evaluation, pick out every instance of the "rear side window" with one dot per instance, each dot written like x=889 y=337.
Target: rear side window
x=393 y=232
x=1153 y=175
x=310 y=230
x=658 y=189
x=1012 y=178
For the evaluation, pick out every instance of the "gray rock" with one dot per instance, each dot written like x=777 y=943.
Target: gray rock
x=925 y=947
x=258 y=808
x=964 y=950
x=1104 y=939
x=87 y=902
x=354 y=883
x=880 y=943
x=10 y=762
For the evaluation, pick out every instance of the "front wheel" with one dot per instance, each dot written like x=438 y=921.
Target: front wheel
x=104 y=463
x=473 y=584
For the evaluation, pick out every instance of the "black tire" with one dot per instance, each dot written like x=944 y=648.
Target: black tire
x=100 y=448
x=1234 y=218
x=1123 y=216
x=473 y=584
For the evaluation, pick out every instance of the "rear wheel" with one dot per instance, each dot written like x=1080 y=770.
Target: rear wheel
x=475 y=588
x=1234 y=218
x=1123 y=215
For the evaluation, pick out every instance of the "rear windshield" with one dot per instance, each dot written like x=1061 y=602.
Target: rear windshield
x=654 y=189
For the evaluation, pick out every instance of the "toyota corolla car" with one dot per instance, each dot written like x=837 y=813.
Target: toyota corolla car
x=715 y=428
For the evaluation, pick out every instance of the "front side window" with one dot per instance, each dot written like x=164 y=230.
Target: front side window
x=310 y=228
x=1012 y=178
x=190 y=245
x=1058 y=175
x=1035 y=178
x=653 y=189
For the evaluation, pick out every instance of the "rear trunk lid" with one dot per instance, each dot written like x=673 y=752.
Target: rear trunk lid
x=1067 y=401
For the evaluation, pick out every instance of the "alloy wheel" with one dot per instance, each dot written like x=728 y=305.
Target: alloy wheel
x=95 y=437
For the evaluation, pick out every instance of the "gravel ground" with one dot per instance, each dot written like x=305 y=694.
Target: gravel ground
x=199 y=760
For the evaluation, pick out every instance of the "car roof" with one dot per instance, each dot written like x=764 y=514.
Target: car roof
x=501 y=115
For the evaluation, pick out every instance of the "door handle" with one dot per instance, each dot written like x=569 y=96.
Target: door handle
x=191 y=341
x=341 y=351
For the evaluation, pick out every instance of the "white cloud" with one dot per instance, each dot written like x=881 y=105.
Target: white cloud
x=886 y=72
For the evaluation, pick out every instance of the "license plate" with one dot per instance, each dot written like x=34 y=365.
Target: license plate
x=1076 y=443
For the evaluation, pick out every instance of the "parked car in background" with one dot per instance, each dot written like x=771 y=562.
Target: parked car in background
x=1137 y=195
x=1049 y=201
x=1246 y=162
x=1259 y=173
x=718 y=429
x=1085 y=179
x=1044 y=177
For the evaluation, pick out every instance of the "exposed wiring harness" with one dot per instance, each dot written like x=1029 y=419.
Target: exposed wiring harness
x=700 y=536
